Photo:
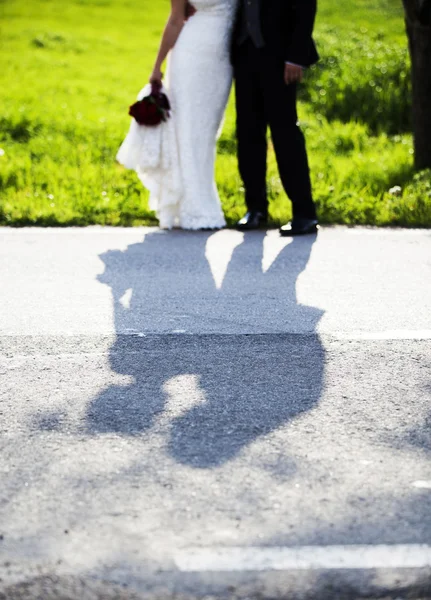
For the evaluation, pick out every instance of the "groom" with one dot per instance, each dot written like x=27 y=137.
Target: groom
x=272 y=44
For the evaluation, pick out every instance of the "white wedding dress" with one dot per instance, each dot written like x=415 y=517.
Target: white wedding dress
x=175 y=161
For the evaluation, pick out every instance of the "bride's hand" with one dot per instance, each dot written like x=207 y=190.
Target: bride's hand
x=190 y=10
x=156 y=76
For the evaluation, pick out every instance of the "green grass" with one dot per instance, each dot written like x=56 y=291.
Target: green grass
x=71 y=69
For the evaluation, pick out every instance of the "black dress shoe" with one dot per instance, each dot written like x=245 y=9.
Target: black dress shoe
x=252 y=220
x=299 y=226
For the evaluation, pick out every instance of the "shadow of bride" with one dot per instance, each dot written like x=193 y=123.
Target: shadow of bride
x=212 y=394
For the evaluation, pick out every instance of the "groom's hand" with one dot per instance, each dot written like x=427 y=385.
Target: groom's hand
x=293 y=73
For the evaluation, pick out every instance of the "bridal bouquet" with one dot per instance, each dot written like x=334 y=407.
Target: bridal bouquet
x=151 y=149
x=153 y=109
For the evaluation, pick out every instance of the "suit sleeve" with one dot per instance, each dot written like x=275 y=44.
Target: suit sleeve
x=300 y=47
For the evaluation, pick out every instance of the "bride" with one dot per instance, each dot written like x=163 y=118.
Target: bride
x=199 y=78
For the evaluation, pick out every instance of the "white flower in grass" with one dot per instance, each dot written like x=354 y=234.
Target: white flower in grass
x=396 y=190
x=2 y=152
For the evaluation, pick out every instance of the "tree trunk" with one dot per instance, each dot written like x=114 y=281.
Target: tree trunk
x=418 y=25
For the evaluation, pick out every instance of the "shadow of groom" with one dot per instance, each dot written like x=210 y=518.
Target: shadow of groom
x=212 y=394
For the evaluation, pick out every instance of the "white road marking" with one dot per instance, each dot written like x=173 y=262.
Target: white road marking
x=422 y=485
x=413 y=556
x=395 y=334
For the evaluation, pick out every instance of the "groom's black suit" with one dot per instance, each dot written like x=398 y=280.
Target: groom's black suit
x=267 y=34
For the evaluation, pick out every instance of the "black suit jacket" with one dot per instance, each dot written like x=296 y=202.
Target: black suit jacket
x=287 y=28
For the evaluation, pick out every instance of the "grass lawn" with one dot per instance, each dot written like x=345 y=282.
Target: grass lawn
x=71 y=69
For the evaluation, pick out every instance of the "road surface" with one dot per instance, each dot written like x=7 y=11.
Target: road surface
x=220 y=414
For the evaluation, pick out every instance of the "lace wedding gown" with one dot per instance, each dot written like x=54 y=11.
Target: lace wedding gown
x=175 y=161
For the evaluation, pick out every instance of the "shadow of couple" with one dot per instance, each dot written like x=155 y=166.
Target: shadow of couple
x=215 y=392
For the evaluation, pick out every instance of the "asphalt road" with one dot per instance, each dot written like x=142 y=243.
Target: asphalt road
x=189 y=415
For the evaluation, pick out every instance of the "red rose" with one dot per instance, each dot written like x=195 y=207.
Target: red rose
x=146 y=112
x=151 y=110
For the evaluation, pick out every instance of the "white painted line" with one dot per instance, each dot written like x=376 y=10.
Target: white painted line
x=422 y=485
x=396 y=334
x=412 y=556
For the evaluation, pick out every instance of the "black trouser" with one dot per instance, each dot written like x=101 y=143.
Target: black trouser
x=262 y=99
